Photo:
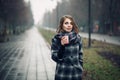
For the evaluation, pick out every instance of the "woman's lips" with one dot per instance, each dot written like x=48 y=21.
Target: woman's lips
x=68 y=28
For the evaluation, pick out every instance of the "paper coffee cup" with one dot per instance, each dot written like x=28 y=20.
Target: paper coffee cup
x=67 y=39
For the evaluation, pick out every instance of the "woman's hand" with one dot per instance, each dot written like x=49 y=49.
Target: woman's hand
x=64 y=40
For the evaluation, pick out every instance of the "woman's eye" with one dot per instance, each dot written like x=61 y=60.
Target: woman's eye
x=66 y=22
x=71 y=23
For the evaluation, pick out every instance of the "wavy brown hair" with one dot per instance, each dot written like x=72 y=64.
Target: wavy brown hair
x=60 y=26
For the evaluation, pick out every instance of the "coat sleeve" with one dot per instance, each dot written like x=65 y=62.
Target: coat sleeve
x=55 y=49
x=80 y=52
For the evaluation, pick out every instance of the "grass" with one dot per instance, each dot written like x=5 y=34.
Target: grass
x=96 y=67
x=47 y=34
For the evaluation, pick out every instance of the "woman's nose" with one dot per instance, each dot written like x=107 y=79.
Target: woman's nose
x=69 y=24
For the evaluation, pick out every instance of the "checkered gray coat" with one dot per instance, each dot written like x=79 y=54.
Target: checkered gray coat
x=68 y=58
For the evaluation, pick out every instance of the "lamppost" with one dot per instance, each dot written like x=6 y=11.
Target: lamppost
x=89 y=23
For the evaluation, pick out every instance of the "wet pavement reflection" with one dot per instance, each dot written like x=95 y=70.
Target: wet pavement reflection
x=26 y=57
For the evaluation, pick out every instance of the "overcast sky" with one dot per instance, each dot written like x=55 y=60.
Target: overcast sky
x=40 y=6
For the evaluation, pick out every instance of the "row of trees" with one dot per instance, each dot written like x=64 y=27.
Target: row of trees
x=15 y=16
x=105 y=15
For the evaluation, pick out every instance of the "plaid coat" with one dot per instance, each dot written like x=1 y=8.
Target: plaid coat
x=68 y=58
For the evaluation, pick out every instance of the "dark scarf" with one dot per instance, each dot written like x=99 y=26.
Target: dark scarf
x=73 y=37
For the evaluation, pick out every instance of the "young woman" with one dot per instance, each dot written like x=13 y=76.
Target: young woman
x=66 y=50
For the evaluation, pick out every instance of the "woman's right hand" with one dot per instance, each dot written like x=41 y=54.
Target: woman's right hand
x=64 y=40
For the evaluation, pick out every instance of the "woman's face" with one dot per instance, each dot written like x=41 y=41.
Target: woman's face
x=67 y=25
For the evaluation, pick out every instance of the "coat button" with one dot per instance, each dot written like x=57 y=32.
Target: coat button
x=71 y=56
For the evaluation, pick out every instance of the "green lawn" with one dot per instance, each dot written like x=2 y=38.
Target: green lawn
x=96 y=67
